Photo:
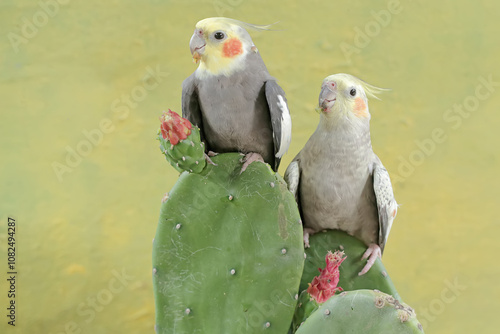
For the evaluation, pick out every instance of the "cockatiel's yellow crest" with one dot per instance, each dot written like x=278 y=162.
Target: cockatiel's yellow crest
x=221 y=45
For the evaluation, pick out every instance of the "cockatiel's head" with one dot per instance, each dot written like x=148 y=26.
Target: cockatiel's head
x=221 y=44
x=345 y=97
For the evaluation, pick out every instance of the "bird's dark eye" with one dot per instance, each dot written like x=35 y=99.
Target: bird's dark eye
x=353 y=92
x=219 y=35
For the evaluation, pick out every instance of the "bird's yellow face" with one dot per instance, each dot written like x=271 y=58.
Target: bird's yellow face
x=343 y=96
x=219 y=46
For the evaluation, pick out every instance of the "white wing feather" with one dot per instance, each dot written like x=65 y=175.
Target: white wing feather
x=286 y=128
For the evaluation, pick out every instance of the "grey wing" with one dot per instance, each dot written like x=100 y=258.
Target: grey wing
x=386 y=204
x=191 y=109
x=280 y=119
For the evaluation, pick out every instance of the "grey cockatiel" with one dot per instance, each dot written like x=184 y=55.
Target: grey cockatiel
x=232 y=98
x=338 y=181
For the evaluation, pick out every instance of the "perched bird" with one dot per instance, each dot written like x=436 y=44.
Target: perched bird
x=231 y=96
x=338 y=181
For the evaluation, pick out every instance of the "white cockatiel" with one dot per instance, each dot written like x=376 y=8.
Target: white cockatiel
x=231 y=97
x=338 y=181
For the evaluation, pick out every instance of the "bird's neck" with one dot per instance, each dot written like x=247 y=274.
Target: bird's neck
x=216 y=66
x=343 y=138
x=344 y=125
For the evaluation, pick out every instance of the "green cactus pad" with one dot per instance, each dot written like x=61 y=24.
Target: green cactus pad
x=305 y=307
x=361 y=311
x=228 y=254
x=187 y=155
x=322 y=242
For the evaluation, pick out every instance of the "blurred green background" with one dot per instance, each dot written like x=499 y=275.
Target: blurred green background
x=93 y=77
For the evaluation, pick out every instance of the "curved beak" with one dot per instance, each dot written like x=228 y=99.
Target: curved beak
x=328 y=96
x=197 y=45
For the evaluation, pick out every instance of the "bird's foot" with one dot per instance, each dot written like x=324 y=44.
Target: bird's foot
x=212 y=153
x=207 y=157
x=371 y=254
x=249 y=158
x=307 y=232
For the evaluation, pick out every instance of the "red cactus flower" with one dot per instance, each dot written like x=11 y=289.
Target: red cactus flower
x=173 y=127
x=325 y=285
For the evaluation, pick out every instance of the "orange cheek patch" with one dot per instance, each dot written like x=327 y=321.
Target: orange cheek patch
x=232 y=47
x=360 y=108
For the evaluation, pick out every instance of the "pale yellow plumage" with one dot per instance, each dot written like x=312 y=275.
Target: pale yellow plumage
x=219 y=57
x=353 y=108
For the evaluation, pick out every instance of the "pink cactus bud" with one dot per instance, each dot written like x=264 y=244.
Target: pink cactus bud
x=325 y=285
x=173 y=127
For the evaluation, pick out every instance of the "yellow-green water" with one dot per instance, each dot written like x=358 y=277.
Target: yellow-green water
x=78 y=231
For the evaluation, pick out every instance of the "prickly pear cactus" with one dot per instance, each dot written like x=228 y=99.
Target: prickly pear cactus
x=180 y=143
x=322 y=288
x=228 y=254
x=322 y=242
x=359 y=311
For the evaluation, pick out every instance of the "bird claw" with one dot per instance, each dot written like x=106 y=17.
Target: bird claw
x=212 y=153
x=306 y=241
x=371 y=254
x=307 y=232
x=249 y=158
x=207 y=157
